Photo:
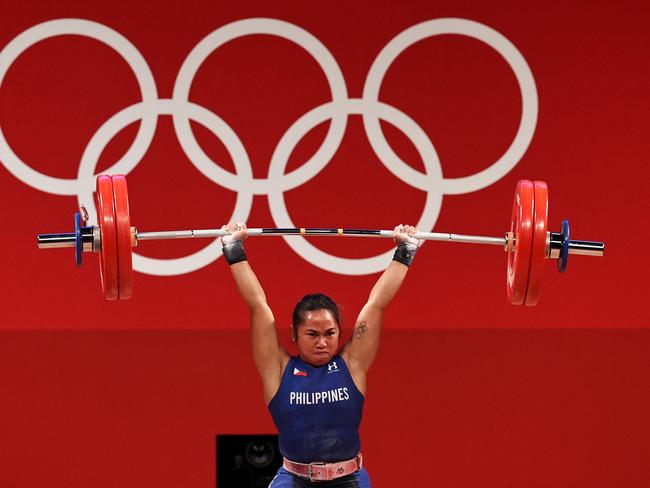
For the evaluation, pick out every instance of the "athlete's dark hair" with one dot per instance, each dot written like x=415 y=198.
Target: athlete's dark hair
x=311 y=302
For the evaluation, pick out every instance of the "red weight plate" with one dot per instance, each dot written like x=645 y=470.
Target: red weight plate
x=522 y=228
x=123 y=229
x=106 y=221
x=538 y=253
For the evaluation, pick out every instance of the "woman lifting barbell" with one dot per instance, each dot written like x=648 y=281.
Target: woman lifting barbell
x=316 y=398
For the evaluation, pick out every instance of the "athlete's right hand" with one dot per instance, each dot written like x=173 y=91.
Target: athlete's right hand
x=238 y=232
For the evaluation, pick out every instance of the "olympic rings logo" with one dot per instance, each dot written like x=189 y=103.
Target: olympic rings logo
x=371 y=109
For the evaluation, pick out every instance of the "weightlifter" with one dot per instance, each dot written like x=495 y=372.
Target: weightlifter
x=316 y=397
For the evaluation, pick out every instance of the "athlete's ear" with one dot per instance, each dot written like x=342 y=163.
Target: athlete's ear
x=293 y=333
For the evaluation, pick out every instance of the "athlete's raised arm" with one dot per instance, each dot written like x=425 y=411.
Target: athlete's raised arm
x=269 y=357
x=361 y=349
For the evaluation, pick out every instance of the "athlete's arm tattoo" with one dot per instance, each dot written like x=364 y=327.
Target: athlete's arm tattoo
x=360 y=330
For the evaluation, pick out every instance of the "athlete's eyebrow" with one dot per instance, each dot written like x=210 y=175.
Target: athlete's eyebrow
x=309 y=329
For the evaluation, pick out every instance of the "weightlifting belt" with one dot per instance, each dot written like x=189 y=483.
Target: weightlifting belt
x=324 y=471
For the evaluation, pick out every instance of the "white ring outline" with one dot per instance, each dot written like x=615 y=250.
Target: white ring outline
x=135 y=60
x=521 y=70
x=310 y=120
x=275 y=184
x=285 y=30
x=243 y=203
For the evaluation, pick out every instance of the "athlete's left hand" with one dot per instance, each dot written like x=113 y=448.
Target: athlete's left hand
x=405 y=233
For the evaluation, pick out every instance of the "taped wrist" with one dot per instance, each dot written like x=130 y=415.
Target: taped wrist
x=234 y=252
x=405 y=253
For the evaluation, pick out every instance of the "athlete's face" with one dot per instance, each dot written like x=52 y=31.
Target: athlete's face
x=317 y=337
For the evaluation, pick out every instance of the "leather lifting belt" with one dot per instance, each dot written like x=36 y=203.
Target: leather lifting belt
x=317 y=471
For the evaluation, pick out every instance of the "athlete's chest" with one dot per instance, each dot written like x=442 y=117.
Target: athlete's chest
x=305 y=385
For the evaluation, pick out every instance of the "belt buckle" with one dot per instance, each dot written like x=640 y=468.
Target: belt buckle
x=319 y=464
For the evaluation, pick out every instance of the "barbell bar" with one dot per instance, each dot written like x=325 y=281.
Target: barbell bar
x=527 y=243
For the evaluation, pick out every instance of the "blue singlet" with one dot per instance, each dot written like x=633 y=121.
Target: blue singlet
x=317 y=411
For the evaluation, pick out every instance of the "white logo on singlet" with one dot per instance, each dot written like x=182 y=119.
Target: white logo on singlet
x=318 y=397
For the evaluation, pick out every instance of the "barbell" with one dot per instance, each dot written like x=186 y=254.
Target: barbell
x=528 y=243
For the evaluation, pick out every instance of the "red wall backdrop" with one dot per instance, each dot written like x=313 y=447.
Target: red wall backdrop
x=478 y=391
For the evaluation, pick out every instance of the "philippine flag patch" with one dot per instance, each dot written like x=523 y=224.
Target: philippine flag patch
x=297 y=372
